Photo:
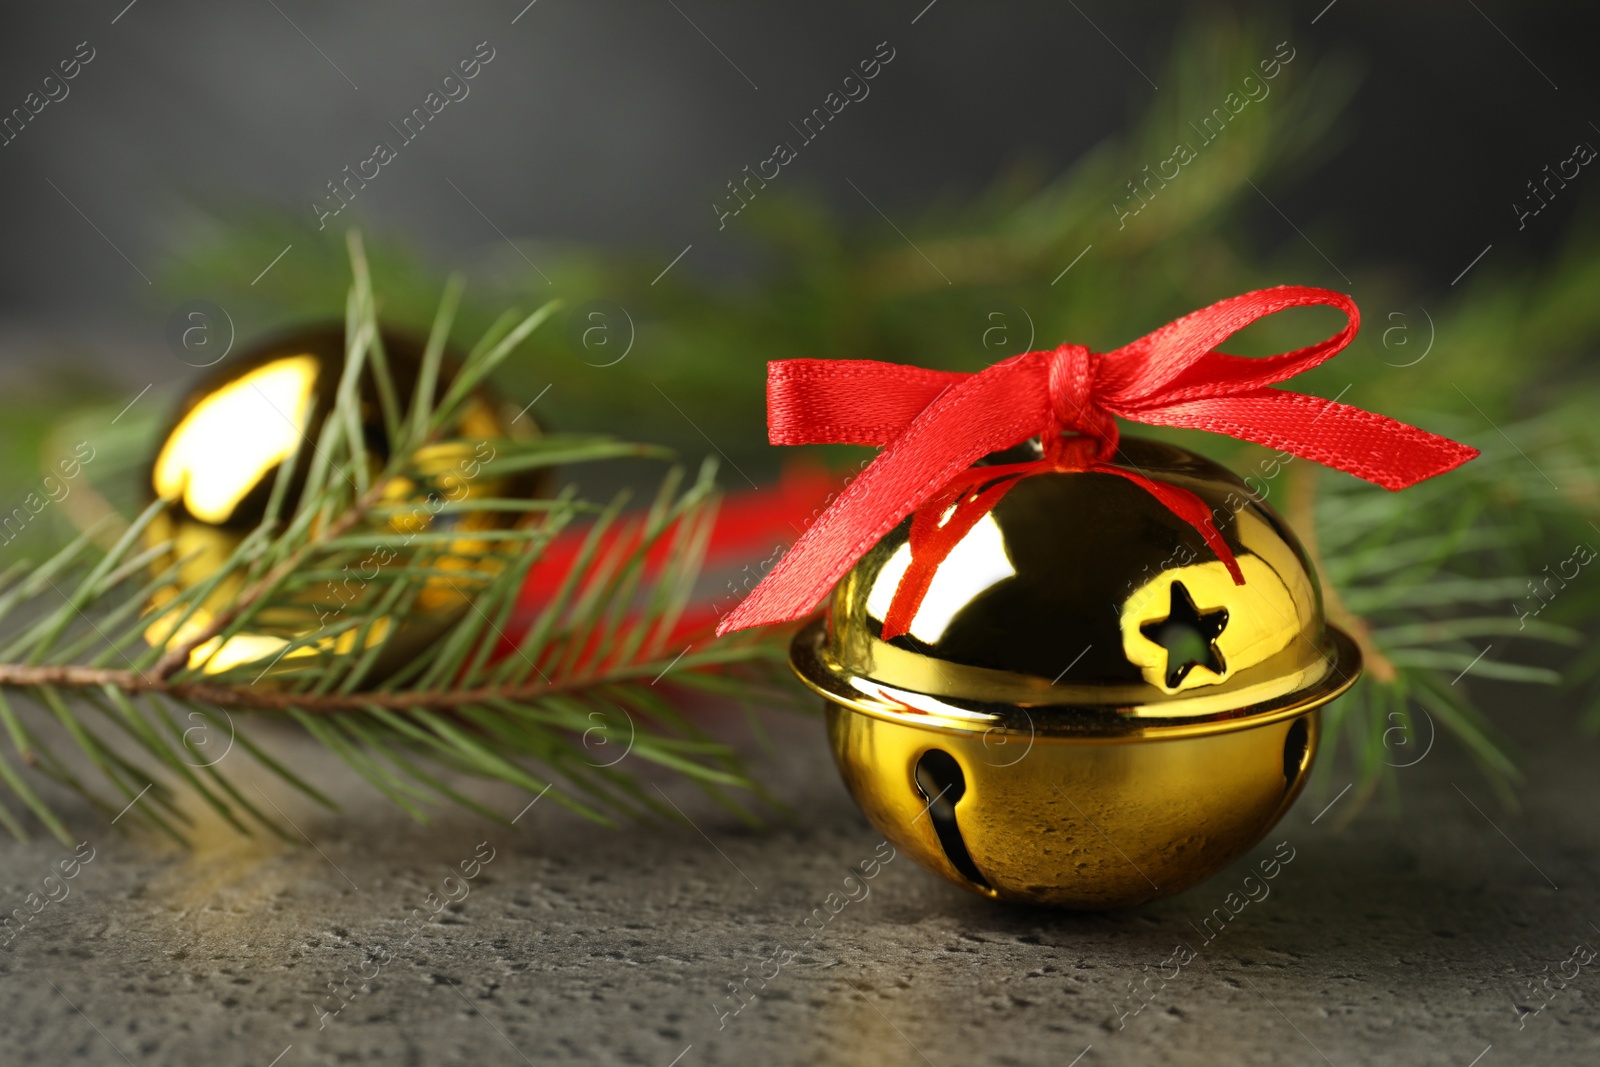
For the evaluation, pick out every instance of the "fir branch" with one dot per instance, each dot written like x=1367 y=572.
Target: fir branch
x=467 y=702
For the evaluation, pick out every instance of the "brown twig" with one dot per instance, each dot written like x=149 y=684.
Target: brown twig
x=261 y=698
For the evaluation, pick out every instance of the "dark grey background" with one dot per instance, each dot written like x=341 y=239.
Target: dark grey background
x=618 y=123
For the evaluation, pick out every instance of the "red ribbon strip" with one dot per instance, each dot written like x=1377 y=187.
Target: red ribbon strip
x=934 y=424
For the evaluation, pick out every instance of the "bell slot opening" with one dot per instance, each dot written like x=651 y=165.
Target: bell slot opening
x=941 y=783
x=1189 y=635
x=1295 y=744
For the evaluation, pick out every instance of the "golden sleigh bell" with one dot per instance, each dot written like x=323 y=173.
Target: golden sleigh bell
x=219 y=460
x=1086 y=711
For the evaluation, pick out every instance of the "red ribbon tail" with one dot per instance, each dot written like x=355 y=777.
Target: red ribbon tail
x=1191 y=509
x=983 y=413
x=931 y=543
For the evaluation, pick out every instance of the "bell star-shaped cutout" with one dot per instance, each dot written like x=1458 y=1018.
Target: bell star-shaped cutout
x=1189 y=636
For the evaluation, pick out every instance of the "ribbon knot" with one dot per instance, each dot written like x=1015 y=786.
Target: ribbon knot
x=934 y=425
x=1070 y=379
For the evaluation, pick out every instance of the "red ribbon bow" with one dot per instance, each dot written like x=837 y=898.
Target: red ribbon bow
x=934 y=424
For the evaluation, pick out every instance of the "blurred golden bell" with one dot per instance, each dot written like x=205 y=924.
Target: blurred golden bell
x=1086 y=711
x=220 y=459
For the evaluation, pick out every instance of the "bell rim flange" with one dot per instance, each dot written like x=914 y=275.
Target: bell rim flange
x=1091 y=724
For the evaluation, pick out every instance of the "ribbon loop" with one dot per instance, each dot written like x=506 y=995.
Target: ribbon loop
x=935 y=424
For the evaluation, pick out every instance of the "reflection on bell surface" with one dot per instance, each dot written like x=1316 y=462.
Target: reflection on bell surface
x=1086 y=710
x=219 y=462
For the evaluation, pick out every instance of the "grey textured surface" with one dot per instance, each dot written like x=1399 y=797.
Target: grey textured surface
x=1383 y=941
